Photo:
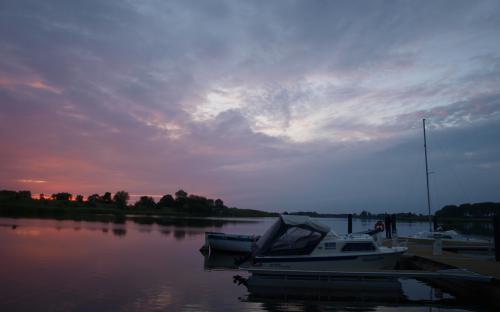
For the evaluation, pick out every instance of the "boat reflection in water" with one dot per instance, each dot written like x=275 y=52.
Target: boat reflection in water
x=303 y=293
x=308 y=293
x=323 y=288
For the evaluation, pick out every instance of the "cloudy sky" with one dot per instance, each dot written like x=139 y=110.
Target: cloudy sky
x=274 y=105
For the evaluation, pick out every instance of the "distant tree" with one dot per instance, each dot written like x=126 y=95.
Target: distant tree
x=8 y=195
x=62 y=196
x=198 y=205
x=219 y=204
x=24 y=194
x=79 y=198
x=121 y=198
x=145 y=202
x=180 y=194
x=364 y=214
x=93 y=199
x=42 y=196
x=106 y=197
x=166 y=201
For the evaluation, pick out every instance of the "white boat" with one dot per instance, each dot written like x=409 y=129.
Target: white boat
x=299 y=243
x=240 y=243
x=449 y=238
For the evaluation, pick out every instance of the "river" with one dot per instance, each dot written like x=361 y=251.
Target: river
x=144 y=264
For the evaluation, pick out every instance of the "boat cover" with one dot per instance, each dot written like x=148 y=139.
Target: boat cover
x=291 y=235
x=304 y=222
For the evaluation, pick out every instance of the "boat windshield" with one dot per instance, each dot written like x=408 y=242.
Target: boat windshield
x=291 y=236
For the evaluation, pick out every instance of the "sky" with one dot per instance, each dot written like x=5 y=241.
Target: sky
x=272 y=105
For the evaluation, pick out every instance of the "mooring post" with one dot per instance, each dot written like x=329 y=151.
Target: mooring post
x=496 y=231
x=393 y=224
x=349 y=223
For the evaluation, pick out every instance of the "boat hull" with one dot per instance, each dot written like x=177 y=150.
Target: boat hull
x=229 y=242
x=360 y=262
x=449 y=242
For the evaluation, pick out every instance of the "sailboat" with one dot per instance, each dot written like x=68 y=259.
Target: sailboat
x=450 y=237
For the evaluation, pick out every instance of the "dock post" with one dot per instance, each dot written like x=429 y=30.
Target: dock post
x=437 y=247
x=349 y=223
x=393 y=224
x=496 y=230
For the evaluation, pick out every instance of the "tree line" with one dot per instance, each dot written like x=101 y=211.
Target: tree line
x=477 y=210
x=180 y=203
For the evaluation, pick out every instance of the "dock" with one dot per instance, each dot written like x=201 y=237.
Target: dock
x=467 y=276
x=422 y=256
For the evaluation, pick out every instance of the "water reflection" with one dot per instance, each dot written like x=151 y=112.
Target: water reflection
x=344 y=292
x=119 y=232
x=347 y=294
x=53 y=266
x=279 y=293
x=180 y=227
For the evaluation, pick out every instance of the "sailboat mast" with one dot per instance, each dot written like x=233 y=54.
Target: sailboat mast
x=427 y=178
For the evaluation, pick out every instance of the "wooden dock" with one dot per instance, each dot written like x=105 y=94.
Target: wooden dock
x=422 y=254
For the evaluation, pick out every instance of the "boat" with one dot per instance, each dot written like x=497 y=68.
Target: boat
x=449 y=238
x=237 y=243
x=300 y=243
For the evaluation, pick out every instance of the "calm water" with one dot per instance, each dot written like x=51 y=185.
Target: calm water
x=49 y=265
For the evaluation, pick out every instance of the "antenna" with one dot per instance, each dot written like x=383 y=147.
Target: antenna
x=427 y=178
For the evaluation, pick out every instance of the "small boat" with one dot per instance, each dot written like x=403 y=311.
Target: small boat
x=238 y=243
x=300 y=243
x=449 y=238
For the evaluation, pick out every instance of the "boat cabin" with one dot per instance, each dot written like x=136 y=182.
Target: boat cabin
x=291 y=235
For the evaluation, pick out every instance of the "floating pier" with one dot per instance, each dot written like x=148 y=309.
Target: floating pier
x=421 y=256
x=465 y=276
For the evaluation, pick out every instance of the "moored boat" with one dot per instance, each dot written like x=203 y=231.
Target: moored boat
x=300 y=243
x=449 y=238
x=239 y=243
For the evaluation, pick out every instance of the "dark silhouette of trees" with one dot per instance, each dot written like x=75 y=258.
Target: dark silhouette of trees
x=197 y=205
x=219 y=204
x=166 y=201
x=121 y=198
x=106 y=197
x=180 y=194
x=93 y=199
x=62 y=196
x=182 y=204
x=477 y=210
x=24 y=194
x=13 y=195
x=145 y=202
